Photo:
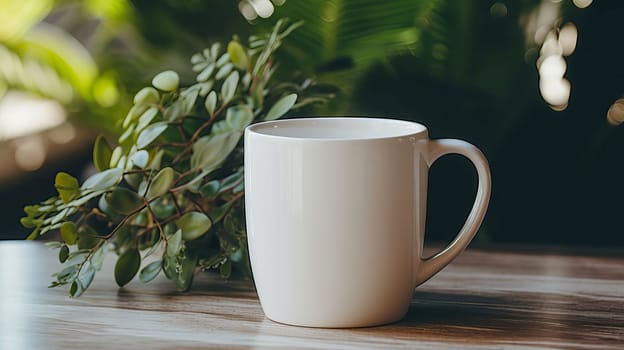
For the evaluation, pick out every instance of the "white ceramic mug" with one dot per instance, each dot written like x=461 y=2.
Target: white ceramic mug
x=335 y=213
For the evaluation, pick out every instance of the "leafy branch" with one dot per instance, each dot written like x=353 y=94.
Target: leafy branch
x=173 y=185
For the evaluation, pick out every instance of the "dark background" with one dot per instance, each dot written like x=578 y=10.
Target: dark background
x=556 y=174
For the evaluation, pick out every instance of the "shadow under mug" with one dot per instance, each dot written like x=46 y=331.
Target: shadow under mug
x=335 y=211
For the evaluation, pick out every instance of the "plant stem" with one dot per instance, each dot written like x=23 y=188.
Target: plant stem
x=160 y=229
x=196 y=135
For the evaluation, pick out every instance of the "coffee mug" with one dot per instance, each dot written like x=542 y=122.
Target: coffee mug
x=335 y=211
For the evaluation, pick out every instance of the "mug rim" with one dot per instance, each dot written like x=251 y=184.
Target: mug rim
x=402 y=128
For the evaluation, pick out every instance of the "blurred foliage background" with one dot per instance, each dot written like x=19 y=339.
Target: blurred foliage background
x=536 y=84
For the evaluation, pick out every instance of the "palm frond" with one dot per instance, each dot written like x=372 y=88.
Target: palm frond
x=361 y=30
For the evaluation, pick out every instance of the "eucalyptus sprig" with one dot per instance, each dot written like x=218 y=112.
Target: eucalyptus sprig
x=169 y=196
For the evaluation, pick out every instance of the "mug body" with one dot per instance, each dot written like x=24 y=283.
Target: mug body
x=335 y=211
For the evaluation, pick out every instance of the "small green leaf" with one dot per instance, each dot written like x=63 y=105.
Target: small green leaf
x=204 y=88
x=123 y=163
x=125 y=136
x=105 y=208
x=193 y=225
x=75 y=288
x=194 y=184
x=223 y=59
x=140 y=158
x=67 y=274
x=82 y=200
x=60 y=216
x=33 y=235
x=146 y=118
x=98 y=257
x=229 y=86
x=102 y=152
x=224 y=71
x=150 y=134
x=180 y=270
x=281 y=107
x=188 y=102
x=166 y=81
x=216 y=214
x=156 y=160
x=150 y=271
x=214 y=50
x=211 y=102
x=135 y=112
x=67 y=186
x=31 y=210
x=117 y=153
x=162 y=183
x=238 y=56
x=174 y=111
x=221 y=127
x=103 y=180
x=239 y=188
x=85 y=277
x=206 y=73
x=199 y=66
x=197 y=58
x=28 y=222
x=226 y=269
x=87 y=238
x=258 y=95
x=127 y=266
x=170 y=266
x=69 y=232
x=123 y=200
x=246 y=80
x=187 y=269
x=210 y=151
x=174 y=243
x=63 y=253
x=155 y=247
x=78 y=256
x=238 y=117
x=213 y=262
x=231 y=181
x=54 y=244
x=210 y=189
x=237 y=256
x=147 y=95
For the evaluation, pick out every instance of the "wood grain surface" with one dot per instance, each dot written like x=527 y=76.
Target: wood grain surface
x=485 y=299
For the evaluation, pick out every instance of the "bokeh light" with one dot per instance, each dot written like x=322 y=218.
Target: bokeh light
x=556 y=42
x=552 y=67
x=615 y=114
x=556 y=92
x=568 y=35
x=582 y=3
x=30 y=153
x=498 y=10
x=22 y=114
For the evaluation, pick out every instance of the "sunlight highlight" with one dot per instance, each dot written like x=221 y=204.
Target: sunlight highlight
x=22 y=114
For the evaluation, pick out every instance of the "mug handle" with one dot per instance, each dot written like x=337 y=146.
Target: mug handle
x=437 y=148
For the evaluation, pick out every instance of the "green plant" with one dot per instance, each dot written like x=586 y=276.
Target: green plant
x=171 y=192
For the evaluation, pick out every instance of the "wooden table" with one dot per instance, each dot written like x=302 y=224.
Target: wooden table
x=486 y=299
